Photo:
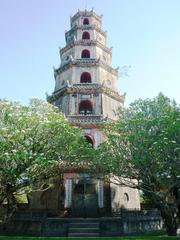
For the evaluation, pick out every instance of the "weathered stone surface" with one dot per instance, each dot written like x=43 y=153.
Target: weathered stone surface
x=129 y=223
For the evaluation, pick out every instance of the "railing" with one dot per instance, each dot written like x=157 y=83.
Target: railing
x=86 y=60
x=95 y=85
x=31 y=215
x=89 y=118
x=85 y=41
x=137 y=214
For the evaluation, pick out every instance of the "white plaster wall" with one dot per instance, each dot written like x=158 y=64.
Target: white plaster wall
x=94 y=21
x=118 y=199
x=100 y=37
x=94 y=35
x=110 y=107
x=97 y=105
x=80 y=19
x=105 y=57
x=78 y=50
x=79 y=70
x=80 y=33
x=62 y=78
x=73 y=104
x=96 y=135
x=73 y=76
x=96 y=52
x=66 y=56
x=108 y=79
x=63 y=104
x=75 y=22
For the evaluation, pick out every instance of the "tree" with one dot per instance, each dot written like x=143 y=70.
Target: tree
x=145 y=145
x=36 y=142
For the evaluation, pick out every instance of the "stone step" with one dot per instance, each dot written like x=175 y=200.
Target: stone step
x=83 y=235
x=83 y=230
x=84 y=220
x=83 y=225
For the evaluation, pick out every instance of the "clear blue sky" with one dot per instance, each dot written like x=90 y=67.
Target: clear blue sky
x=145 y=34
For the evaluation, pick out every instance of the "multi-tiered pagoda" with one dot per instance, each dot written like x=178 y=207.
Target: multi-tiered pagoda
x=86 y=91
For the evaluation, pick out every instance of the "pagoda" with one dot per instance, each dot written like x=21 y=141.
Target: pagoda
x=86 y=92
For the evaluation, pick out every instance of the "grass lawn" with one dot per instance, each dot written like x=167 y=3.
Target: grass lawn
x=83 y=238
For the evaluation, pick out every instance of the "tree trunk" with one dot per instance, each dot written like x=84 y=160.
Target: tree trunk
x=11 y=205
x=169 y=214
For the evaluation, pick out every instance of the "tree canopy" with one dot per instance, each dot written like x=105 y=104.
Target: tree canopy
x=144 y=144
x=36 y=142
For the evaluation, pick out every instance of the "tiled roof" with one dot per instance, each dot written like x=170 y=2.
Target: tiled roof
x=86 y=88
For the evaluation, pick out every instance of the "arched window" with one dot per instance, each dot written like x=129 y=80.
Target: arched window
x=126 y=197
x=86 y=21
x=85 y=54
x=85 y=107
x=85 y=35
x=89 y=141
x=85 y=77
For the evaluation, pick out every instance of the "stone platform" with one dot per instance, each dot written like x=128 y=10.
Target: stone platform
x=129 y=223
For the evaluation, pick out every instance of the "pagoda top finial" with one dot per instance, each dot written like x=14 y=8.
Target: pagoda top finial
x=87 y=13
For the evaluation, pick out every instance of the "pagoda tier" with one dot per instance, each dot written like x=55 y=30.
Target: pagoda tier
x=85 y=43
x=82 y=88
x=90 y=62
x=85 y=82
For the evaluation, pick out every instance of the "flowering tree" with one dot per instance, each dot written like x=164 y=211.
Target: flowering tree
x=36 y=142
x=145 y=145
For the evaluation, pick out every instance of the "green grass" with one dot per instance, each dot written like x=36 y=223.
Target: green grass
x=84 y=238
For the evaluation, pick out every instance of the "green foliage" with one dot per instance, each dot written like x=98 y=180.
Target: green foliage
x=154 y=136
x=145 y=145
x=144 y=142
x=36 y=142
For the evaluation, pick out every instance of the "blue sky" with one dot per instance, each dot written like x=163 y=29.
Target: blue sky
x=145 y=34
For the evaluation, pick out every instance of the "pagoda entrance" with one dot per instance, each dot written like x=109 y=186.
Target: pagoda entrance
x=85 y=200
x=84 y=196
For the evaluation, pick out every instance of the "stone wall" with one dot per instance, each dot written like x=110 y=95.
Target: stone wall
x=50 y=202
x=141 y=221
x=123 y=197
x=110 y=107
x=130 y=223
